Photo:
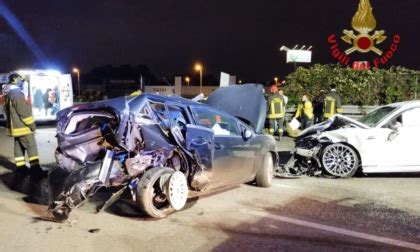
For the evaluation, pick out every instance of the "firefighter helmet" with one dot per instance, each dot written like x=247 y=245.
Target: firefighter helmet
x=14 y=78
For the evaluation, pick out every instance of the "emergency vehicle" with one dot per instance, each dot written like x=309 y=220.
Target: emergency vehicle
x=48 y=91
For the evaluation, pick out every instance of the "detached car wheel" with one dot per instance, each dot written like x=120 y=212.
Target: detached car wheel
x=265 y=172
x=159 y=187
x=340 y=160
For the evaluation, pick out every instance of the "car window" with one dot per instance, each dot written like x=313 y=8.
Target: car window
x=145 y=112
x=177 y=114
x=159 y=108
x=375 y=117
x=411 y=118
x=219 y=123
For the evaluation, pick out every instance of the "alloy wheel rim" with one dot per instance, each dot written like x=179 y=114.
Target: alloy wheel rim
x=339 y=160
x=177 y=190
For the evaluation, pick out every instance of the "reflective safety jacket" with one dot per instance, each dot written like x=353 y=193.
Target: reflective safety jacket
x=332 y=105
x=20 y=121
x=276 y=107
x=305 y=110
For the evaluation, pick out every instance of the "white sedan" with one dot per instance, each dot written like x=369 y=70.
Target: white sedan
x=385 y=140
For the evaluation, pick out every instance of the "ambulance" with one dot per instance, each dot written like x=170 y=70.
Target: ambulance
x=48 y=91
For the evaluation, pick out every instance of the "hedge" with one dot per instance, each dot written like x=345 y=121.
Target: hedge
x=356 y=87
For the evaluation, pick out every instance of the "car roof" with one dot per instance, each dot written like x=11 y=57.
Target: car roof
x=170 y=98
x=178 y=100
x=405 y=104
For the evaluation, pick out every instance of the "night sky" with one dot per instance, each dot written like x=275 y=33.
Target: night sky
x=239 y=37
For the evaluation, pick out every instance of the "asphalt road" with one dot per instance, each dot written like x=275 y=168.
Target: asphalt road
x=375 y=213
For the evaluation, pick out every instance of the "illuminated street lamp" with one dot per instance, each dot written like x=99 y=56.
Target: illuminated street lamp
x=199 y=68
x=77 y=71
x=187 y=80
x=276 y=79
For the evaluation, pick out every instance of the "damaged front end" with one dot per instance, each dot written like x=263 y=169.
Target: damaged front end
x=306 y=156
x=100 y=146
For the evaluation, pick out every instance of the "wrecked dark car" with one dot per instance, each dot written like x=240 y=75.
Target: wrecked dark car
x=160 y=148
x=383 y=141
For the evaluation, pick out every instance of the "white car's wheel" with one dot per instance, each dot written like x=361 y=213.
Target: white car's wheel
x=340 y=160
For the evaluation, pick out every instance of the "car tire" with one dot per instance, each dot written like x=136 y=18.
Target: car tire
x=265 y=173
x=150 y=198
x=340 y=160
x=61 y=214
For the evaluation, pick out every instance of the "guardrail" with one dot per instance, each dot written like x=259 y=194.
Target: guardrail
x=352 y=111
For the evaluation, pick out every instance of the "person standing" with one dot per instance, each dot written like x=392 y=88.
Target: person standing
x=21 y=126
x=305 y=113
x=276 y=110
x=24 y=87
x=332 y=103
x=318 y=104
x=47 y=101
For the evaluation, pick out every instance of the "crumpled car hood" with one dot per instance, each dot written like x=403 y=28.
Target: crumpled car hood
x=246 y=102
x=336 y=122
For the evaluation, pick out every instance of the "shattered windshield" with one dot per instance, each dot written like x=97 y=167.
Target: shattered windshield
x=375 y=117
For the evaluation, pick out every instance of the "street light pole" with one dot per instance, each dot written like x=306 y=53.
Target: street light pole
x=199 y=67
x=77 y=71
x=201 y=80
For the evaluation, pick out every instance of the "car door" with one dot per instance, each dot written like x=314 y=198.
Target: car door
x=201 y=140
x=397 y=150
x=404 y=141
x=232 y=161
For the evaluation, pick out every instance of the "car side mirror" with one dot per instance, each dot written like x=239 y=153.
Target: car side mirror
x=394 y=133
x=395 y=126
x=247 y=134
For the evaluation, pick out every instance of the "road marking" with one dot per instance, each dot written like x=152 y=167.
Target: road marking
x=341 y=231
x=289 y=187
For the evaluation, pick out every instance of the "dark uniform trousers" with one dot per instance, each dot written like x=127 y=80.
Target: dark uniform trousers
x=276 y=125
x=306 y=122
x=27 y=143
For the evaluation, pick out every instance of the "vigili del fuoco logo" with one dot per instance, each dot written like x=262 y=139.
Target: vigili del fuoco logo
x=364 y=39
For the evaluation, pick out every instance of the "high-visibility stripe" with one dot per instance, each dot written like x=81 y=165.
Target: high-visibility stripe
x=20 y=163
x=33 y=158
x=276 y=109
x=19 y=159
x=17 y=132
x=329 y=107
x=24 y=129
x=28 y=120
x=20 y=131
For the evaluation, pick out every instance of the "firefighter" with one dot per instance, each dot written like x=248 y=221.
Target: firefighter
x=318 y=104
x=21 y=126
x=276 y=110
x=332 y=103
x=305 y=113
